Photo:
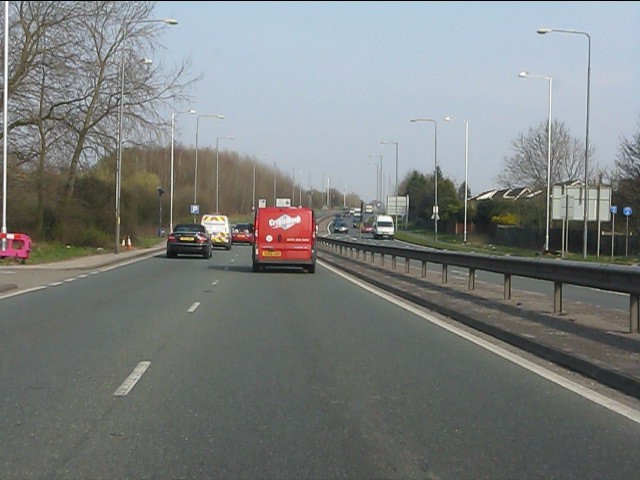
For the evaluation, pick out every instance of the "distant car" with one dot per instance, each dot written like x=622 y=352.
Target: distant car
x=340 y=226
x=242 y=233
x=366 y=227
x=189 y=239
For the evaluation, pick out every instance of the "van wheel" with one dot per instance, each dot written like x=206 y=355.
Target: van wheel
x=311 y=268
x=256 y=267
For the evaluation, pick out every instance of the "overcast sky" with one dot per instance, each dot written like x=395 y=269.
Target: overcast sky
x=314 y=87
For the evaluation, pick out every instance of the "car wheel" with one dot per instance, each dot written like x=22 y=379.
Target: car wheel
x=256 y=267
x=311 y=268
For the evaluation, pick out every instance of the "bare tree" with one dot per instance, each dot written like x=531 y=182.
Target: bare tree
x=528 y=165
x=627 y=173
x=65 y=84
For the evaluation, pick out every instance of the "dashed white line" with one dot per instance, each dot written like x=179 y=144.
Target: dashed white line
x=193 y=307
x=215 y=282
x=124 y=389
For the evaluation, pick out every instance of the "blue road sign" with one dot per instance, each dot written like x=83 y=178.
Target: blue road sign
x=627 y=211
x=613 y=209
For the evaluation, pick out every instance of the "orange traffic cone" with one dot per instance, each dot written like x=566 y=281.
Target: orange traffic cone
x=124 y=241
x=128 y=242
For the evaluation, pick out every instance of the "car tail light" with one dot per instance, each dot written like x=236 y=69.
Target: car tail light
x=171 y=238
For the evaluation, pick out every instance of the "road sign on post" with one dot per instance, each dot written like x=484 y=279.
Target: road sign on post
x=614 y=210
x=626 y=211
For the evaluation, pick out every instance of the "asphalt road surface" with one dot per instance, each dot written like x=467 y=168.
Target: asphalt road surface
x=193 y=368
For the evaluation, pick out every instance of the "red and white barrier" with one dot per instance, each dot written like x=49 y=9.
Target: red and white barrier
x=15 y=245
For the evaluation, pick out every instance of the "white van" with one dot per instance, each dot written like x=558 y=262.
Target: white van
x=218 y=228
x=383 y=227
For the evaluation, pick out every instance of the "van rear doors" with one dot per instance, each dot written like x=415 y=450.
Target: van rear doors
x=284 y=236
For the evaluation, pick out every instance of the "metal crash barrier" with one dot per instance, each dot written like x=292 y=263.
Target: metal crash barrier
x=15 y=245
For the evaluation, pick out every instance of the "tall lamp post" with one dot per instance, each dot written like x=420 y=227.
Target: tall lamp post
x=173 y=122
x=466 y=180
x=275 y=173
x=5 y=96
x=127 y=22
x=217 y=170
x=550 y=79
x=377 y=189
x=436 y=214
x=396 y=204
x=195 y=182
x=380 y=180
x=543 y=31
x=253 y=198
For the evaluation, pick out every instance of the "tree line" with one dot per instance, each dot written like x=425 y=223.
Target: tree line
x=68 y=63
x=526 y=166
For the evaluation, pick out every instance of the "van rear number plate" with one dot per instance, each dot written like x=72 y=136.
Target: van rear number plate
x=271 y=254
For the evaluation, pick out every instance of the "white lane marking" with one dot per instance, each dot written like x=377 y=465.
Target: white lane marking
x=55 y=284
x=598 y=398
x=124 y=389
x=20 y=292
x=83 y=276
x=73 y=279
x=215 y=282
x=193 y=307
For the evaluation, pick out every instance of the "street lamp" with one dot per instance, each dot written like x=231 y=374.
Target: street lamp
x=275 y=172
x=396 y=202
x=550 y=79
x=168 y=21
x=217 y=140
x=195 y=182
x=5 y=97
x=173 y=122
x=377 y=189
x=436 y=215
x=253 y=198
x=543 y=31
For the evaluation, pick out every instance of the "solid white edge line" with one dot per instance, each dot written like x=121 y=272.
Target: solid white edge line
x=193 y=307
x=124 y=389
x=584 y=392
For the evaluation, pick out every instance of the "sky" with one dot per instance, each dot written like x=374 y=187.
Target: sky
x=313 y=88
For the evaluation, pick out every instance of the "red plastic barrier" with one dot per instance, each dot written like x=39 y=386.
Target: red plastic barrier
x=15 y=245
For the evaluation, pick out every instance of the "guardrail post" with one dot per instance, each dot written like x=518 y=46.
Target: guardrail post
x=382 y=259
x=472 y=279
x=507 y=286
x=406 y=265
x=557 y=297
x=634 y=313
x=445 y=273
x=393 y=262
x=424 y=268
x=373 y=257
